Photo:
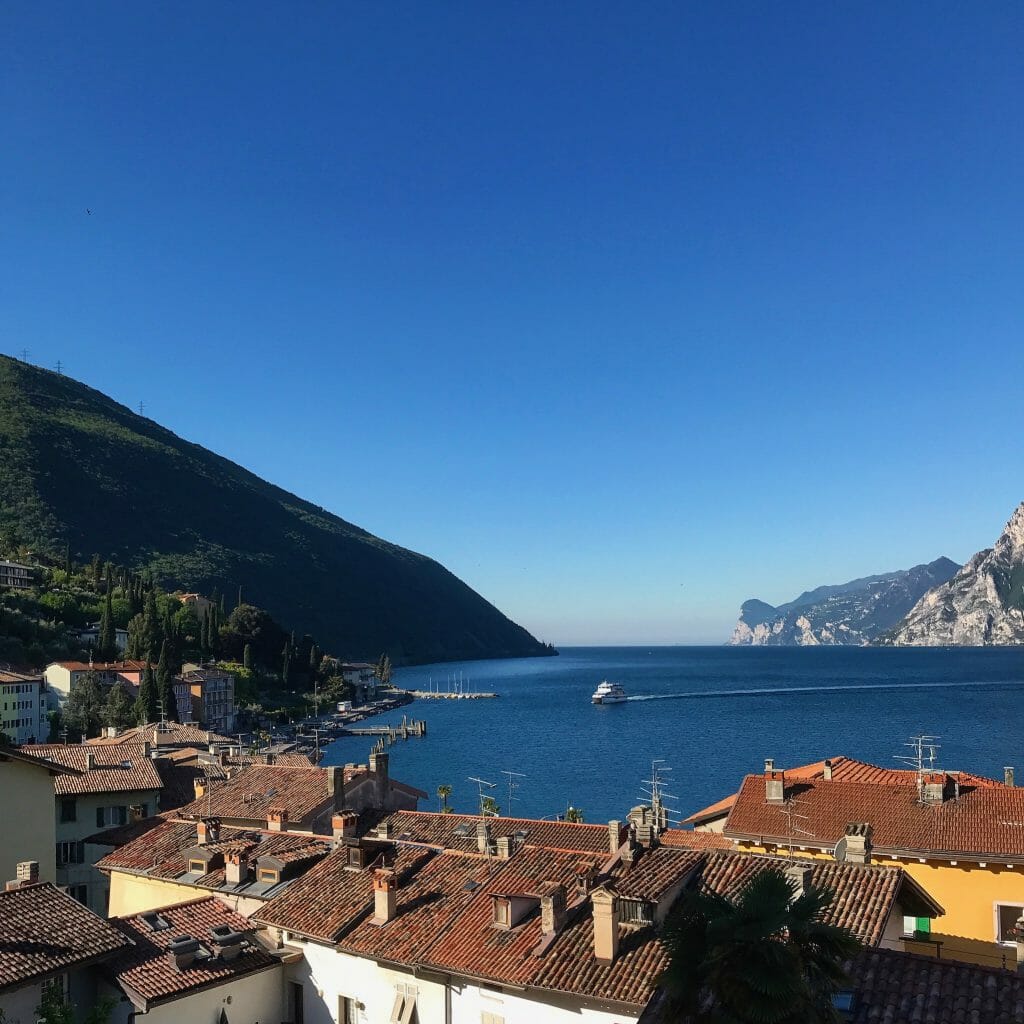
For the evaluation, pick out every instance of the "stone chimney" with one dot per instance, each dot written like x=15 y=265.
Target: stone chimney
x=336 y=786
x=384 y=895
x=504 y=847
x=799 y=876
x=90 y=762
x=484 y=840
x=207 y=830
x=1008 y=775
x=933 y=787
x=585 y=875
x=379 y=767
x=199 y=786
x=774 y=783
x=606 y=924
x=227 y=943
x=826 y=772
x=182 y=951
x=552 y=910
x=343 y=825
x=614 y=836
x=27 y=872
x=384 y=829
x=236 y=868
x=271 y=758
x=147 y=749
x=277 y=819
x=858 y=842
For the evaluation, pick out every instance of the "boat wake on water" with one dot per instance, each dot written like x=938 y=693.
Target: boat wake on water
x=772 y=691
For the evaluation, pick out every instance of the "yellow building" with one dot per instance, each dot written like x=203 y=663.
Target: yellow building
x=26 y=808
x=960 y=836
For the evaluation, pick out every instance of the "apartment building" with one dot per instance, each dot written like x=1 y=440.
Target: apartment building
x=23 y=707
x=206 y=695
x=15 y=575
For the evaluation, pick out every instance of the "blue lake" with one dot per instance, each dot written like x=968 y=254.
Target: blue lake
x=805 y=704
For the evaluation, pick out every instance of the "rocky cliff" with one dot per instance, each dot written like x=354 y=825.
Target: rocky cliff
x=982 y=604
x=853 y=613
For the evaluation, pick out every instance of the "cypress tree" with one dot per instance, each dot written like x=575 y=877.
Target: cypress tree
x=247 y=657
x=165 y=683
x=67 y=560
x=145 y=703
x=107 y=640
x=97 y=573
x=286 y=657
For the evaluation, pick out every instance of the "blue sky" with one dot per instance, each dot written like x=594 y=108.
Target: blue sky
x=625 y=313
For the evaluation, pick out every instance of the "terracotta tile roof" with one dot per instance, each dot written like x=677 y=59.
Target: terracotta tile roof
x=844 y=769
x=863 y=895
x=656 y=872
x=146 y=972
x=21 y=754
x=901 y=988
x=443 y=832
x=987 y=821
x=121 y=835
x=43 y=931
x=695 y=840
x=165 y=734
x=178 y=777
x=254 y=790
x=161 y=853
x=329 y=897
x=103 y=666
x=7 y=676
x=123 y=770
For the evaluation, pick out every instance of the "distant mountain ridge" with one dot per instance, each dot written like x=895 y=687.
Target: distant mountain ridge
x=844 y=614
x=982 y=604
x=78 y=468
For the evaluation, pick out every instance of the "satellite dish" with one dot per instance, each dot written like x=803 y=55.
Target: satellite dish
x=839 y=850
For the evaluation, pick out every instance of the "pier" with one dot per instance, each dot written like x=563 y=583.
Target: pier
x=448 y=695
x=390 y=733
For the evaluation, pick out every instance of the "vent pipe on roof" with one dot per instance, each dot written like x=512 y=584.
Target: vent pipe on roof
x=552 y=911
x=504 y=846
x=277 y=819
x=236 y=868
x=207 y=830
x=336 y=786
x=384 y=895
x=826 y=772
x=1008 y=775
x=614 y=836
x=799 y=876
x=857 y=842
x=774 y=786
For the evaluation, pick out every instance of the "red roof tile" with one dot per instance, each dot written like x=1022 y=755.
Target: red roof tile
x=695 y=840
x=122 y=770
x=43 y=931
x=146 y=972
x=987 y=821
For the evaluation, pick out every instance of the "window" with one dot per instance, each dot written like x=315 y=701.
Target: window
x=502 y=912
x=80 y=893
x=68 y=809
x=635 y=912
x=269 y=875
x=919 y=927
x=70 y=853
x=197 y=866
x=348 y=1010
x=404 y=1010
x=1006 y=922
x=111 y=816
x=491 y=1018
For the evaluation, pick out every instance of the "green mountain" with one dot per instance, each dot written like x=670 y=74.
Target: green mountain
x=78 y=468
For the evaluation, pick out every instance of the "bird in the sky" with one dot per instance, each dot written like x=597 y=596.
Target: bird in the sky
x=88 y=211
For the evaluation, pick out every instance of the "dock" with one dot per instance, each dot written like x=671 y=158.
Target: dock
x=448 y=695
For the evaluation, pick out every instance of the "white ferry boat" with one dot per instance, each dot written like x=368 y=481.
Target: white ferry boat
x=609 y=693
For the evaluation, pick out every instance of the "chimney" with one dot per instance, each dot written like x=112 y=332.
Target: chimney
x=343 y=825
x=1008 y=775
x=552 y=910
x=90 y=762
x=207 y=830
x=199 y=785
x=933 y=787
x=504 y=845
x=799 y=876
x=614 y=836
x=181 y=951
x=384 y=895
x=28 y=872
x=379 y=766
x=585 y=875
x=147 y=749
x=271 y=758
x=484 y=841
x=277 y=819
x=774 y=784
x=384 y=829
x=236 y=868
x=606 y=924
x=227 y=943
x=858 y=842
x=826 y=773
x=336 y=785
x=211 y=748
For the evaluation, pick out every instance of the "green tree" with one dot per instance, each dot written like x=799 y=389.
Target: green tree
x=286 y=658
x=315 y=658
x=152 y=634
x=145 y=703
x=83 y=710
x=119 y=710
x=574 y=814
x=763 y=957
x=106 y=642
x=135 y=645
x=489 y=807
x=97 y=573
x=384 y=670
x=443 y=792
x=55 y=1009
x=247 y=657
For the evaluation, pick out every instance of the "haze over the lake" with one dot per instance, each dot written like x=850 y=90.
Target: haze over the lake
x=623 y=314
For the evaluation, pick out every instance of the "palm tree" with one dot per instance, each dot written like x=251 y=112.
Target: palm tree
x=765 y=956
x=443 y=792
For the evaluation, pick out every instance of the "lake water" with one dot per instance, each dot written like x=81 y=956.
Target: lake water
x=712 y=713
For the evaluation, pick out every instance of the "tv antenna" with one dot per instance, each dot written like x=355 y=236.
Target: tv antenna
x=512 y=787
x=60 y=368
x=791 y=811
x=483 y=785
x=924 y=752
x=652 y=792
x=142 y=408
x=24 y=355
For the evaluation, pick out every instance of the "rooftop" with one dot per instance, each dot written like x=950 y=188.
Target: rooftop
x=147 y=972
x=985 y=821
x=165 y=734
x=44 y=932
x=101 y=666
x=125 y=769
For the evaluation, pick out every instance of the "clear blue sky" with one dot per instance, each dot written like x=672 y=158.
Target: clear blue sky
x=625 y=313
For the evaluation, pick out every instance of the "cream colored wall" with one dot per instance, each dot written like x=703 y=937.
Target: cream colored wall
x=132 y=894
x=26 y=814
x=470 y=1002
